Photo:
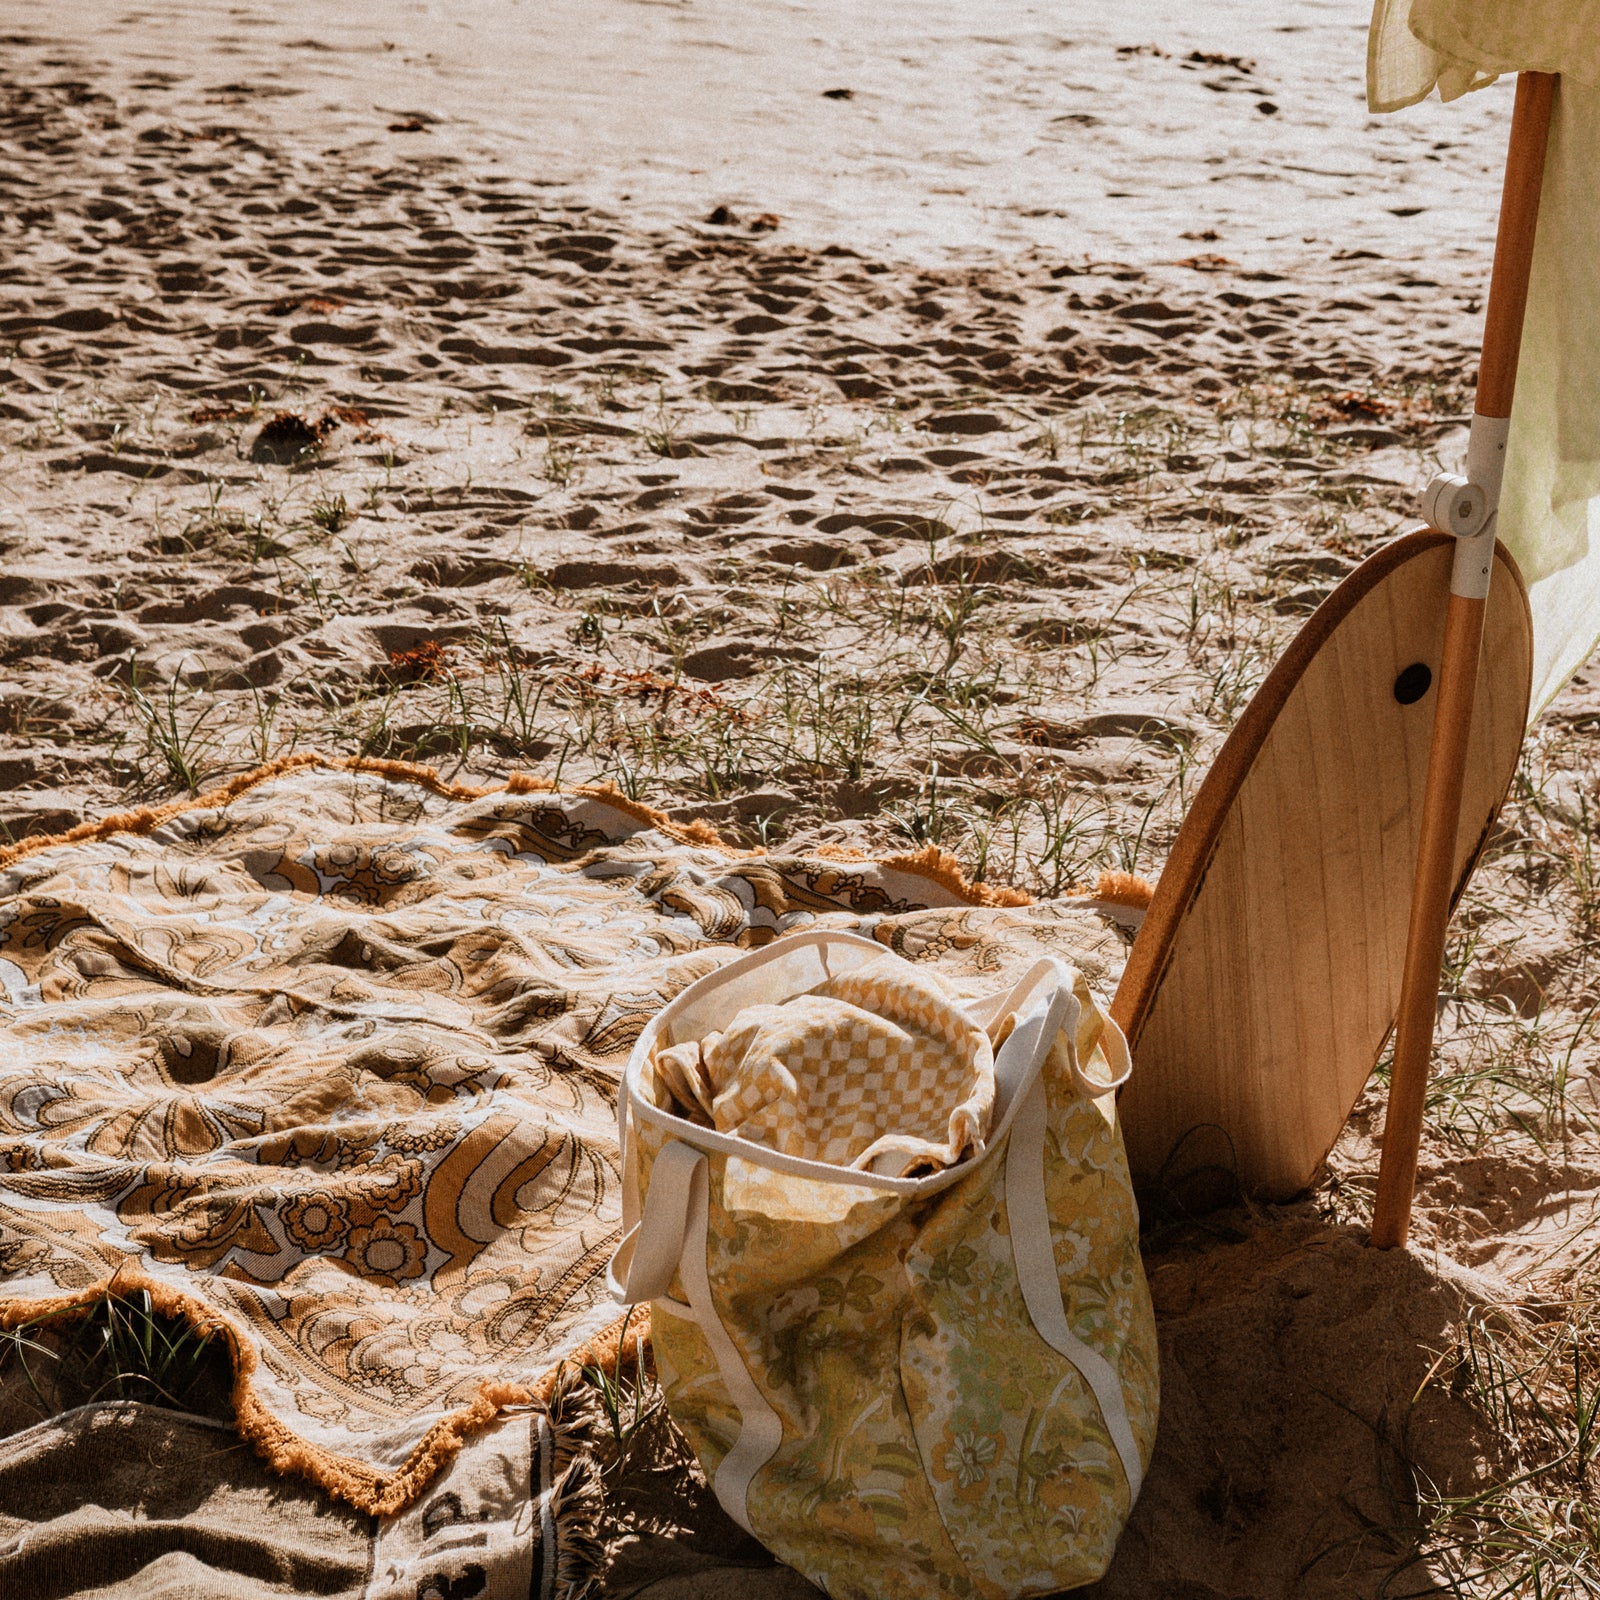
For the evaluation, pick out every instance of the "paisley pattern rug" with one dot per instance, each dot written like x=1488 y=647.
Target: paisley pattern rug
x=326 y=1060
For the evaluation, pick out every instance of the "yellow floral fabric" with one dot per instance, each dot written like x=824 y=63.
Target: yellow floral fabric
x=933 y=1442
x=336 y=1059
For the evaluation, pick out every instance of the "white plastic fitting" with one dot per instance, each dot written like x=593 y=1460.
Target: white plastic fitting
x=1453 y=505
x=1468 y=507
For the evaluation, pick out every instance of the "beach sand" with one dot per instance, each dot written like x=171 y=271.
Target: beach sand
x=848 y=425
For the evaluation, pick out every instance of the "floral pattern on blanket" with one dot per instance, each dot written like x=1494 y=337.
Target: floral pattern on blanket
x=337 y=1060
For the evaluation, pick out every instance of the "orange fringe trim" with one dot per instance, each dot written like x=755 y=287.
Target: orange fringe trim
x=354 y=1482
x=943 y=869
x=930 y=863
x=1124 y=889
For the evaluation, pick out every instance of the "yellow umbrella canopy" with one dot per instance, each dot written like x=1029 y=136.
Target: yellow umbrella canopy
x=1533 y=459
x=1550 y=502
x=1416 y=46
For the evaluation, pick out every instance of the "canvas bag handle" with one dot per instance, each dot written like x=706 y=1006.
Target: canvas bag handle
x=669 y=1238
x=1064 y=1012
x=1015 y=1067
x=644 y=1264
x=657 y=1232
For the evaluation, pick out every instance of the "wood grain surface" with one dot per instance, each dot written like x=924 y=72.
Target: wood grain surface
x=1266 y=976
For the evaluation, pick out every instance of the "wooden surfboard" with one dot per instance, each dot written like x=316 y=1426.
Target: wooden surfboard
x=1266 y=975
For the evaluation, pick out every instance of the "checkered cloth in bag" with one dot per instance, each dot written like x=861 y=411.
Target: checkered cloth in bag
x=878 y=1069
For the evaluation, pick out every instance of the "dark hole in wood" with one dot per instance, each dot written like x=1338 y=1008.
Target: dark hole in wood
x=1414 y=682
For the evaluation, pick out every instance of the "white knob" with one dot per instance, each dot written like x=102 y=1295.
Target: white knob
x=1453 y=505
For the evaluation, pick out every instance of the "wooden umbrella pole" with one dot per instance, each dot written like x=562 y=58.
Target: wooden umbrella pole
x=1458 y=666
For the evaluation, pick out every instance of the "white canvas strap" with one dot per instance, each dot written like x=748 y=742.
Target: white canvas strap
x=1114 y=1044
x=667 y=1236
x=670 y=1240
x=1034 y=1252
x=643 y=1266
x=1042 y=998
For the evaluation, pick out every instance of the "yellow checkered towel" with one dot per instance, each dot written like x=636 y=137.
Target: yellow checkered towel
x=878 y=1068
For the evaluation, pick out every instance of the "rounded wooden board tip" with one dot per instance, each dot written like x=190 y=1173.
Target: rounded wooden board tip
x=1266 y=975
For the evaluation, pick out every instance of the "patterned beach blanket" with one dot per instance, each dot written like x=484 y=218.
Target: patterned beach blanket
x=327 y=1061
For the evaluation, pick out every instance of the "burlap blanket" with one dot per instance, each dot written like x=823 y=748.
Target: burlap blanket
x=328 y=1059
